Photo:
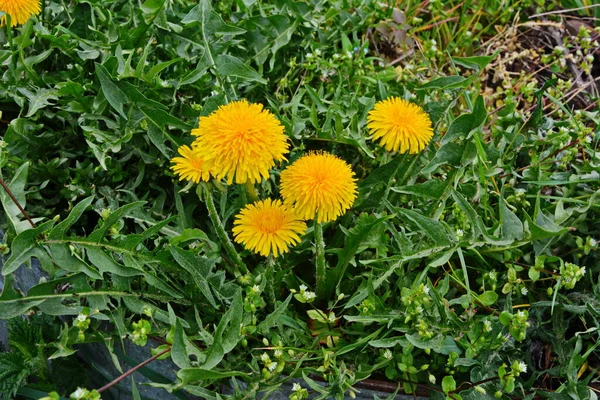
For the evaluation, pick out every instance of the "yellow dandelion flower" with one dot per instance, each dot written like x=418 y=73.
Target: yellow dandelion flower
x=190 y=165
x=401 y=125
x=268 y=227
x=319 y=183
x=19 y=10
x=241 y=141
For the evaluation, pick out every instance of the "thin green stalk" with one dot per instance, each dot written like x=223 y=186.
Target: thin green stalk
x=13 y=62
x=321 y=271
x=223 y=237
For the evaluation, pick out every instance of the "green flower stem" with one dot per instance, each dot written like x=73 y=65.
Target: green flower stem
x=216 y=221
x=251 y=191
x=321 y=274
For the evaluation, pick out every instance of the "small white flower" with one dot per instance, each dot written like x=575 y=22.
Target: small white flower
x=419 y=309
x=309 y=296
x=520 y=191
x=79 y=393
x=318 y=52
x=520 y=314
x=387 y=354
x=265 y=357
x=278 y=353
x=349 y=54
x=296 y=387
x=460 y=233
x=256 y=289
x=522 y=366
x=82 y=317
x=426 y=289
x=272 y=366
x=593 y=242
x=487 y=326
x=309 y=55
x=524 y=291
x=303 y=288
x=69 y=66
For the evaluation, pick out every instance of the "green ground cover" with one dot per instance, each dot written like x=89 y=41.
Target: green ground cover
x=466 y=267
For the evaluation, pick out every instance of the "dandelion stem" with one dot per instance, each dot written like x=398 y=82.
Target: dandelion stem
x=321 y=274
x=251 y=191
x=218 y=225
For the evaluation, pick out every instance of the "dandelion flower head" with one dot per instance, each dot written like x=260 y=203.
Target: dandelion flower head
x=241 y=141
x=190 y=165
x=319 y=183
x=400 y=125
x=268 y=227
x=19 y=10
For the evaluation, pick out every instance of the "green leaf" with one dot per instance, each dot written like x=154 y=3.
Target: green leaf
x=60 y=230
x=158 y=133
x=477 y=225
x=389 y=342
x=436 y=343
x=158 y=68
x=191 y=375
x=17 y=187
x=448 y=384
x=273 y=318
x=132 y=241
x=39 y=99
x=63 y=348
x=136 y=97
x=488 y=298
x=232 y=335
x=434 y=229
x=444 y=83
x=512 y=227
x=183 y=348
x=478 y=63
x=198 y=267
x=226 y=334
x=23 y=247
x=543 y=227
x=112 y=219
x=115 y=96
x=232 y=66
x=65 y=259
x=355 y=237
x=13 y=373
x=505 y=318
x=210 y=22
x=430 y=189
x=464 y=124
x=106 y=263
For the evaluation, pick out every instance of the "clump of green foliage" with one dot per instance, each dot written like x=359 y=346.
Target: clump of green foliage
x=469 y=268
